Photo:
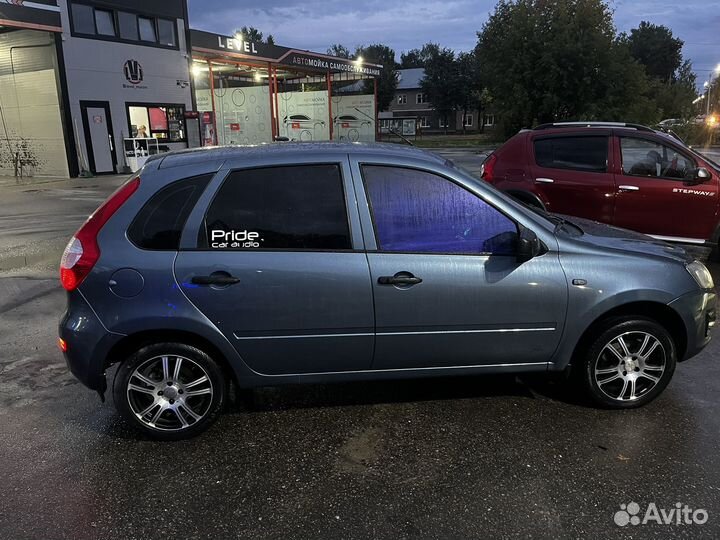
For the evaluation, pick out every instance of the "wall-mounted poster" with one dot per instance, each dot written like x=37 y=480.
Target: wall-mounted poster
x=243 y=114
x=303 y=116
x=354 y=118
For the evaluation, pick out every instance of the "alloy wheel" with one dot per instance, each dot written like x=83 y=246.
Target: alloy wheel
x=169 y=392
x=630 y=365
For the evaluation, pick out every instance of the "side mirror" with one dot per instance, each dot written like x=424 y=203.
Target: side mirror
x=529 y=245
x=699 y=175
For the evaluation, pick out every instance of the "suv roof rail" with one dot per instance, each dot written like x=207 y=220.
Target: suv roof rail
x=638 y=127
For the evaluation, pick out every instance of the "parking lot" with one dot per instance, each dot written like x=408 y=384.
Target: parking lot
x=438 y=458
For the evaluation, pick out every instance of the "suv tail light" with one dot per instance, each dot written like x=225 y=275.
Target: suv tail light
x=487 y=169
x=82 y=252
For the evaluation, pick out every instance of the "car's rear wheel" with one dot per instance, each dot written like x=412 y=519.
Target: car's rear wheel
x=169 y=391
x=629 y=363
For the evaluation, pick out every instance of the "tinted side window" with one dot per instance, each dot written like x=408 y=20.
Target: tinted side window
x=290 y=207
x=577 y=153
x=642 y=157
x=418 y=211
x=160 y=222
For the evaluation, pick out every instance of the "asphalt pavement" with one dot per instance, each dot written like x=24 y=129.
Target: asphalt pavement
x=37 y=217
x=474 y=457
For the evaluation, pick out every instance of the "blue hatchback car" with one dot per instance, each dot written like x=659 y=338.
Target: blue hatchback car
x=307 y=262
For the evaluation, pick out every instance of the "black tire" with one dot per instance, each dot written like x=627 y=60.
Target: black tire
x=163 y=377
x=610 y=385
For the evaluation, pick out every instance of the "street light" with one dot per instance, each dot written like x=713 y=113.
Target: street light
x=708 y=85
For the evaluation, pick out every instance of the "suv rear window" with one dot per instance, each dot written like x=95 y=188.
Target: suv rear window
x=576 y=153
x=284 y=207
x=160 y=222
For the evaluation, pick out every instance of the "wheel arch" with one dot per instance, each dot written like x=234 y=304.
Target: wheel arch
x=136 y=341
x=663 y=314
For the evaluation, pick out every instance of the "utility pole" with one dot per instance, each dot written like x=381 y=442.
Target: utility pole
x=709 y=87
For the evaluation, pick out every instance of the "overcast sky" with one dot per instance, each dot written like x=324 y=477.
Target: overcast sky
x=316 y=24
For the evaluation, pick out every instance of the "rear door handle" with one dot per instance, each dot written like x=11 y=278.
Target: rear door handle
x=401 y=278
x=544 y=181
x=628 y=188
x=221 y=279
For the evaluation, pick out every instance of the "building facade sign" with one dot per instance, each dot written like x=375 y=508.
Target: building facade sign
x=206 y=42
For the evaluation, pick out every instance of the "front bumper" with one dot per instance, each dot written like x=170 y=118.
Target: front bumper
x=698 y=311
x=88 y=343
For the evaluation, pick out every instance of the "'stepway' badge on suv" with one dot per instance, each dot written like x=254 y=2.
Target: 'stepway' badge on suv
x=694 y=192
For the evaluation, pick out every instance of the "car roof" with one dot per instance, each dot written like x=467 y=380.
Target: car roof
x=574 y=127
x=294 y=148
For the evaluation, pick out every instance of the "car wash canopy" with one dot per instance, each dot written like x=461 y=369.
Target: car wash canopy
x=249 y=92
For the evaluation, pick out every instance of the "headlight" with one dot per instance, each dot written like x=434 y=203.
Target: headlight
x=701 y=274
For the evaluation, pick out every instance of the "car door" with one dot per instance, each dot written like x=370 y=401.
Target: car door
x=571 y=172
x=447 y=286
x=657 y=193
x=280 y=271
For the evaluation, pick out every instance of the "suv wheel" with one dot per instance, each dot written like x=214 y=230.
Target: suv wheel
x=629 y=364
x=169 y=391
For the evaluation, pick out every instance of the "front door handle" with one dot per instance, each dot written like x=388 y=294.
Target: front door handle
x=401 y=278
x=215 y=279
x=544 y=181
x=628 y=188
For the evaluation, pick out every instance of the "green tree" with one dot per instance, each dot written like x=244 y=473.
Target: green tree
x=548 y=61
x=339 y=50
x=672 y=81
x=441 y=83
x=411 y=59
x=657 y=49
x=387 y=83
x=417 y=58
x=252 y=34
x=675 y=99
x=630 y=101
x=469 y=85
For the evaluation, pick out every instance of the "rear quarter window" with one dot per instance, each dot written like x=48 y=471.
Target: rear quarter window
x=159 y=223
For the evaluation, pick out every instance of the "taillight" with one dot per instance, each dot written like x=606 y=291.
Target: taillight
x=487 y=169
x=82 y=252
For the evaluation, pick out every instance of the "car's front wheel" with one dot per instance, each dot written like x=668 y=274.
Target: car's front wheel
x=629 y=363
x=169 y=391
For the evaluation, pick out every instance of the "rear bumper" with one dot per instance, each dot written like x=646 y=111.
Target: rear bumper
x=698 y=311
x=88 y=342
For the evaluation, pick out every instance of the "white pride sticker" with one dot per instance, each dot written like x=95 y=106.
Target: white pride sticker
x=234 y=239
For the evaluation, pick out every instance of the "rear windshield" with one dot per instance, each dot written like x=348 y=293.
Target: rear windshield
x=159 y=224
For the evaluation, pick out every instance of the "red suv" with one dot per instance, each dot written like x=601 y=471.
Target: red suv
x=626 y=175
